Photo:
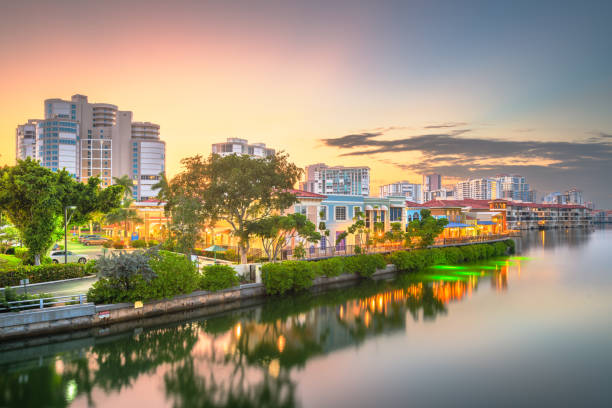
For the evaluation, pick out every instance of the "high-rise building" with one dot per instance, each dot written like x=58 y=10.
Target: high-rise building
x=411 y=191
x=571 y=196
x=432 y=182
x=25 y=140
x=514 y=187
x=477 y=189
x=242 y=146
x=98 y=140
x=323 y=179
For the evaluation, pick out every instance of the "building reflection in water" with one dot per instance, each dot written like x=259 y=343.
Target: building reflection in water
x=244 y=358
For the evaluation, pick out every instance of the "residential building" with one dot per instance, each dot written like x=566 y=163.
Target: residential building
x=25 y=140
x=242 y=146
x=467 y=217
x=477 y=189
x=514 y=187
x=411 y=191
x=148 y=159
x=439 y=194
x=98 y=140
x=521 y=215
x=432 y=182
x=323 y=179
x=571 y=196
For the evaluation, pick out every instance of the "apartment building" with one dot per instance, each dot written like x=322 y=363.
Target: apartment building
x=477 y=189
x=411 y=191
x=324 y=179
x=432 y=182
x=514 y=187
x=25 y=140
x=522 y=215
x=95 y=140
x=242 y=146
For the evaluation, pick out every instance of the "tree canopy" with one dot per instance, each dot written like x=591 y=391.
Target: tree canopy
x=421 y=233
x=33 y=197
x=235 y=189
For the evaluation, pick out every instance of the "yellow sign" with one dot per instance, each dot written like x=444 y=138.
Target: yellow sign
x=138 y=304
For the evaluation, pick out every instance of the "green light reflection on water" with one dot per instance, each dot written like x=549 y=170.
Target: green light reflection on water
x=448 y=267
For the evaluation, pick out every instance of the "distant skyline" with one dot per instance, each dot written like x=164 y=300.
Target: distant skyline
x=460 y=88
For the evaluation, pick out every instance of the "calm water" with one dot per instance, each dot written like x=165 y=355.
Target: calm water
x=530 y=330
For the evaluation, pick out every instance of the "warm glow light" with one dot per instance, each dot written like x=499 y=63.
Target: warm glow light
x=238 y=330
x=281 y=343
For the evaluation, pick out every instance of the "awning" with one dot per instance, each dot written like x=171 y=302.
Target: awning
x=456 y=225
x=369 y=208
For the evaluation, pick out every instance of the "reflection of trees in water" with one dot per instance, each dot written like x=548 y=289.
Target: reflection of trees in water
x=267 y=342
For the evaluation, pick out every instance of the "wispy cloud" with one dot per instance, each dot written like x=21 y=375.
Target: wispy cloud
x=549 y=164
x=446 y=125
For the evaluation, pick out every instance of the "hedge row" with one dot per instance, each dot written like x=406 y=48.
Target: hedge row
x=42 y=273
x=279 y=278
x=414 y=261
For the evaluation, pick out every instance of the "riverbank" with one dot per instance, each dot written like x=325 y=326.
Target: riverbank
x=87 y=316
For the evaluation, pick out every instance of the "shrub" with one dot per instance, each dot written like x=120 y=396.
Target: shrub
x=276 y=278
x=41 y=273
x=453 y=255
x=218 y=277
x=331 y=267
x=152 y=243
x=138 y=243
x=500 y=248
x=107 y=244
x=511 y=245
x=303 y=274
x=369 y=264
x=119 y=268
x=118 y=245
x=175 y=274
x=468 y=253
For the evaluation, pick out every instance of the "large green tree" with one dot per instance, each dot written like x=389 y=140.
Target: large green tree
x=33 y=197
x=237 y=189
x=128 y=186
x=422 y=233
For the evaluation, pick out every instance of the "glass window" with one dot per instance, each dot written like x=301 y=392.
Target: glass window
x=340 y=213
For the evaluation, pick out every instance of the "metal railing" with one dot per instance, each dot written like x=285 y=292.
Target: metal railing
x=41 y=303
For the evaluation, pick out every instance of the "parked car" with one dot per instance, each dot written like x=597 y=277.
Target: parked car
x=58 y=257
x=95 y=241
x=83 y=238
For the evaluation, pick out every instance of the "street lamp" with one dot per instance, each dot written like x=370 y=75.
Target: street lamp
x=66 y=221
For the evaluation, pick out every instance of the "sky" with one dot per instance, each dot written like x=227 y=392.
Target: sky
x=462 y=88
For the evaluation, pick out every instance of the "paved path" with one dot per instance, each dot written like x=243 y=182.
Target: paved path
x=71 y=287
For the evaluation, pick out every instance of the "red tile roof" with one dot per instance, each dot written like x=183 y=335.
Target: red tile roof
x=413 y=204
x=468 y=202
x=541 y=205
x=306 y=194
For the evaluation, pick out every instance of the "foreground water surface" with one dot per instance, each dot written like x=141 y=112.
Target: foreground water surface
x=534 y=329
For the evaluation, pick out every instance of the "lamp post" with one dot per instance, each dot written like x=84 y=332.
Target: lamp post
x=66 y=221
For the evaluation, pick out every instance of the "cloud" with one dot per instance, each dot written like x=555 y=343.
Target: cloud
x=446 y=125
x=549 y=165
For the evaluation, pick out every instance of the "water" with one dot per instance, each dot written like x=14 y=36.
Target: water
x=530 y=330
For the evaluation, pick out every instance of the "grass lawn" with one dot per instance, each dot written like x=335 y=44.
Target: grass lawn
x=8 y=261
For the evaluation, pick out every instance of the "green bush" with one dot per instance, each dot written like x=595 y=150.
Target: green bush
x=175 y=275
x=511 y=245
x=276 y=278
x=453 y=255
x=152 y=243
x=21 y=253
x=138 y=243
x=468 y=253
x=218 y=277
x=118 y=245
x=369 y=264
x=331 y=267
x=41 y=273
x=411 y=261
x=303 y=273
x=107 y=244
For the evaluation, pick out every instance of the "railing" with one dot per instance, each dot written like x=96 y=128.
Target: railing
x=45 y=302
x=347 y=250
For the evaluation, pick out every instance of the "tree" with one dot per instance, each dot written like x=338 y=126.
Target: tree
x=395 y=234
x=425 y=230
x=277 y=230
x=8 y=234
x=33 y=197
x=128 y=186
x=123 y=215
x=235 y=189
x=359 y=230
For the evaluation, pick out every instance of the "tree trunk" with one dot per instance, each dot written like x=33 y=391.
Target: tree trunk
x=37 y=259
x=242 y=249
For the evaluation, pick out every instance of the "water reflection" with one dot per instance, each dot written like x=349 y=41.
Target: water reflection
x=245 y=358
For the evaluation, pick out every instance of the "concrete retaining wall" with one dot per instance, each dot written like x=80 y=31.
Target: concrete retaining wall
x=22 y=325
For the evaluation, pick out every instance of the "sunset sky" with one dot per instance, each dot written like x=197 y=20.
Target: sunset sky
x=462 y=88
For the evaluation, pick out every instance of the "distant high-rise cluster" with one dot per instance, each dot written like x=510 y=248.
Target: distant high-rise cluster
x=411 y=191
x=571 y=196
x=242 y=146
x=323 y=179
x=94 y=140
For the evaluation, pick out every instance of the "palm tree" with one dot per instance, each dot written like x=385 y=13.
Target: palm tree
x=126 y=182
x=123 y=215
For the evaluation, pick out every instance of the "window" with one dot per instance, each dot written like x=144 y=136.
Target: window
x=300 y=209
x=323 y=213
x=356 y=210
x=340 y=213
x=395 y=214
